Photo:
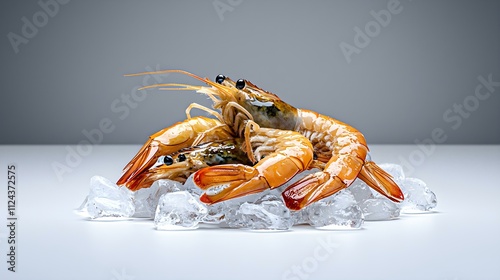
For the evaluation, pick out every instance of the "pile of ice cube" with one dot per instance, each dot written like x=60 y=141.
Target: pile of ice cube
x=176 y=206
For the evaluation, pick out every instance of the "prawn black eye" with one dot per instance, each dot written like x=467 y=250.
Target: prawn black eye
x=182 y=157
x=220 y=78
x=240 y=84
x=168 y=160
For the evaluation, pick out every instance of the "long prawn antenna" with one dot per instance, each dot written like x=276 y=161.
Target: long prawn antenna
x=172 y=86
x=223 y=92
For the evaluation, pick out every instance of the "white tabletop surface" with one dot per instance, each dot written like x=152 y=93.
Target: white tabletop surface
x=460 y=240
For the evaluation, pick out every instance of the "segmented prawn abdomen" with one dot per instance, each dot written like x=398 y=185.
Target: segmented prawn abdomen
x=330 y=136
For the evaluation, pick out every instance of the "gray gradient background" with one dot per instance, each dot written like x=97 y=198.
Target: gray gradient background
x=395 y=91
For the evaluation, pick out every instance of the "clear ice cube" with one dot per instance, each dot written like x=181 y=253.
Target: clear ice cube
x=418 y=197
x=146 y=199
x=107 y=200
x=267 y=213
x=232 y=216
x=215 y=213
x=339 y=211
x=300 y=217
x=191 y=187
x=361 y=191
x=82 y=209
x=178 y=210
x=379 y=209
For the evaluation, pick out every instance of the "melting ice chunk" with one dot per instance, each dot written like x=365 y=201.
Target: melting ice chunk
x=82 y=209
x=418 y=197
x=338 y=211
x=300 y=217
x=146 y=199
x=106 y=199
x=191 y=187
x=379 y=209
x=232 y=216
x=215 y=213
x=374 y=206
x=178 y=210
x=360 y=191
x=267 y=213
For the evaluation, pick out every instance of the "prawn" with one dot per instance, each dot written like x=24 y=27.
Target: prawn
x=181 y=135
x=340 y=148
x=178 y=166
